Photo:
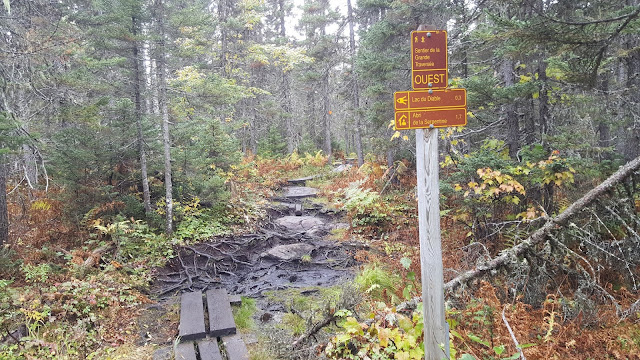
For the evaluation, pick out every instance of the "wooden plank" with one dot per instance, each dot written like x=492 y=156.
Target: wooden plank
x=235 y=300
x=185 y=351
x=301 y=181
x=192 y=316
x=209 y=349
x=430 y=246
x=235 y=347
x=220 y=317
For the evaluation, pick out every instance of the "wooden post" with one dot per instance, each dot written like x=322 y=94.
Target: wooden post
x=436 y=334
x=435 y=329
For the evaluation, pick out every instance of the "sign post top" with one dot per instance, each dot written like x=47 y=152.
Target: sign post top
x=429 y=60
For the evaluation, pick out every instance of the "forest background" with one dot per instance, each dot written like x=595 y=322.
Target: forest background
x=155 y=112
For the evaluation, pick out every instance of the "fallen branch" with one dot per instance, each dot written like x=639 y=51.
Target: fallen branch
x=314 y=330
x=513 y=336
x=541 y=234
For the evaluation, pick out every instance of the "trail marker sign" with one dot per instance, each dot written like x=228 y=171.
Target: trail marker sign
x=442 y=98
x=430 y=118
x=429 y=59
x=433 y=105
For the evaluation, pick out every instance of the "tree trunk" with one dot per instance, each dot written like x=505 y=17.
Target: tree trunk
x=222 y=16
x=356 y=89
x=509 y=109
x=4 y=214
x=544 y=111
x=137 y=78
x=326 y=118
x=286 y=87
x=162 y=100
x=633 y=89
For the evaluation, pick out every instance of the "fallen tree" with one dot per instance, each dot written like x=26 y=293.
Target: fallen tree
x=542 y=233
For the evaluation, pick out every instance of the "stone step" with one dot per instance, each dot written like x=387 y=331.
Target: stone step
x=192 y=325
x=221 y=321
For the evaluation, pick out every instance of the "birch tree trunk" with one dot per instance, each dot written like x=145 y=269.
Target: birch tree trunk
x=162 y=100
x=326 y=120
x=356 y=89
x=137 y=78
x=4 y=215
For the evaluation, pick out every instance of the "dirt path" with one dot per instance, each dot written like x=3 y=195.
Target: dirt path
x=289 y=251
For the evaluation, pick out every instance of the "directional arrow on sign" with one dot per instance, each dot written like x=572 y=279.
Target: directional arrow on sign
x=438 y=98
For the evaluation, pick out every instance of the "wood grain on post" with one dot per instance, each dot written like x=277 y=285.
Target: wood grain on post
x=436 y=344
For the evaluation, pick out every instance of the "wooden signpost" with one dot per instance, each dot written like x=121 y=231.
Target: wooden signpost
x=438 y=106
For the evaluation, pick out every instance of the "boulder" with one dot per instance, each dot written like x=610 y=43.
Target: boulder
x=300 y=223
x=289 y=252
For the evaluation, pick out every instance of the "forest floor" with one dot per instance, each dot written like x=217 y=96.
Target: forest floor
x=319 y=280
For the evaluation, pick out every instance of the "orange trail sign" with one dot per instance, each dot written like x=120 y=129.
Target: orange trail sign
x=429 y=61
x=444 y=98
x=437 y=118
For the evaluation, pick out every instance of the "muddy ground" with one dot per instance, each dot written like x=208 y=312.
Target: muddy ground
x=289 y=251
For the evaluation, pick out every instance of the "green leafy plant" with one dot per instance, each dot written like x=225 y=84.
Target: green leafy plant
x=36 y=273
x=391 y=336
x=365 y=206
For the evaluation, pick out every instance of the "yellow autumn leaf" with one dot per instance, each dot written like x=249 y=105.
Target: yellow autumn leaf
x=383 y=336
x=405 y=138
x=395 y=135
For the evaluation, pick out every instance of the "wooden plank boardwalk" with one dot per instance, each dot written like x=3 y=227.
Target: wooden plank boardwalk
x=192 y=325
x=221 y=321
x=209 y=350
x=196 y=344
x=236 y=349
x=185 y=351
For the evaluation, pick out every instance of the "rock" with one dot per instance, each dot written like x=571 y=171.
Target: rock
x=300 y=223
x=342 y=168
x=297 y=192
x=163 y=353
x=289 y=252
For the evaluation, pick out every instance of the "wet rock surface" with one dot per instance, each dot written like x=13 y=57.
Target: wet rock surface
x=288 y=252
x=297 y=192
x=300 y=223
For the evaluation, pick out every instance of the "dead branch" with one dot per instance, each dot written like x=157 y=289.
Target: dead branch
x=314 y=330
x=513 y=336
x=541 y=234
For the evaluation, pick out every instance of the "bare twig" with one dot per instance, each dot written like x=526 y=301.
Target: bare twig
x=513 y=336
x=314 y=330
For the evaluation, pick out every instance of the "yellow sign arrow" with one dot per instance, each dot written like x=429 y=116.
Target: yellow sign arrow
x=402 y=100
